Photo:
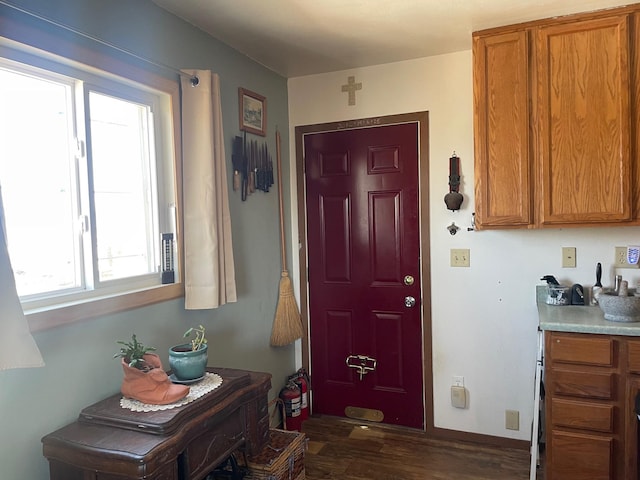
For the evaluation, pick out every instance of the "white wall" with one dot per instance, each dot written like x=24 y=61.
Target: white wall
x=484 y=317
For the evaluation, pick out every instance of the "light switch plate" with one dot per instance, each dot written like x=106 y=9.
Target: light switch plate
x=460 y=257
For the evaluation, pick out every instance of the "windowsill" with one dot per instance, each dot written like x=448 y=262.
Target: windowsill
x=43 y=319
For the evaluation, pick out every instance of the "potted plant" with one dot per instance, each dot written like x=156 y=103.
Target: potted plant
x=188 y=361
x=133 y=354
x=144 y=379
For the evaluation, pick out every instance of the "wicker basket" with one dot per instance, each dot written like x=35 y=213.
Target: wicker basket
x=281 y=459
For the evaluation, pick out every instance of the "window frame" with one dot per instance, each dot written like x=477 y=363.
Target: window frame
x=107 y=60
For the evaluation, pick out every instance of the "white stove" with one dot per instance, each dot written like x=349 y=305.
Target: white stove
x=535 y=447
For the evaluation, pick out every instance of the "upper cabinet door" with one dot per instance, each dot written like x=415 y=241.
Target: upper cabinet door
x=583 y=122
x=501 y=122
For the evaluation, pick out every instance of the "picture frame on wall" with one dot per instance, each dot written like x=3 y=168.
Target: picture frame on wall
x=253 y=112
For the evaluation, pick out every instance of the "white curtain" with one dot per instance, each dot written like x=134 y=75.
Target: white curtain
x=18 y=349
x=209 y=269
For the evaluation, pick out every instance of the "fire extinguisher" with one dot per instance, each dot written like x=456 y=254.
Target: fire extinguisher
x=291 y=398
x=301 y=379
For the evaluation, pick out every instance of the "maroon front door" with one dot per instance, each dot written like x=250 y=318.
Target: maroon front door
x=364 y=271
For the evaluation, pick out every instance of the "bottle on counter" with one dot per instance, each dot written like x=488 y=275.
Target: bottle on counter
x=616 y=286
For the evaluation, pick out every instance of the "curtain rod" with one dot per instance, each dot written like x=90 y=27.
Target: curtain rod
x=194 y=79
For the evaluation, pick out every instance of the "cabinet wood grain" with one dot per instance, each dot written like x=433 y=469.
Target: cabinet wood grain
x=581 y=457
x=587 y=384
x=586 y=407
x=633 y=356
x=557 y=121
x=583 y=121
x=502 y=168
x=582 y=415
x=582 y=350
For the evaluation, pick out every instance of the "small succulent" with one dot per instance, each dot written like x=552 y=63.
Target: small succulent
x=133 y=353
x=199 y=341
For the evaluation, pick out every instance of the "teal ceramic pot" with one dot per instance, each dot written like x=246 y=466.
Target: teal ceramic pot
x=185 y=363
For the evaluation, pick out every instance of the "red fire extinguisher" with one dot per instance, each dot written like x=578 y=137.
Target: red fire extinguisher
x=301 y=379
x=292 y=399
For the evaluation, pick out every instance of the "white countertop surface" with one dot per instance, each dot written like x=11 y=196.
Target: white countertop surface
x=582 y=319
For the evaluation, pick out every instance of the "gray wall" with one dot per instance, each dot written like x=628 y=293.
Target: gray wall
x=79 y=368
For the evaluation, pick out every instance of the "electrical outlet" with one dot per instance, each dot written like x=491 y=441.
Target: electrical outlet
x=458 y=381
x=620 y=259
x=569 y=257
x=512 y=419
x=460 y=257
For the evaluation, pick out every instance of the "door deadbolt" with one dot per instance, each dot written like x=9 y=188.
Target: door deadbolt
x=408 y=280
x=409 y=301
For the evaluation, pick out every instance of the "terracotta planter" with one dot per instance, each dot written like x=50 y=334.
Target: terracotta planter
x=187 y=364
x=153 y=386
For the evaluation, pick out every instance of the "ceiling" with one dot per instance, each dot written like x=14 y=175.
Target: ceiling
x=304 y=37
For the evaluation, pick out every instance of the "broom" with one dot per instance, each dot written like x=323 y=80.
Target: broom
x=287 y=324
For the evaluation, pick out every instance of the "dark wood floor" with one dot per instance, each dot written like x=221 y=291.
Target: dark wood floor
x=349 y=450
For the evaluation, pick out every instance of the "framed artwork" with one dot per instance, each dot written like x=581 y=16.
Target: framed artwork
x=253 y=112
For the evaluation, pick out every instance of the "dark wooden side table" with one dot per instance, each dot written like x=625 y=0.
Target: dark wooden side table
x=108 y=442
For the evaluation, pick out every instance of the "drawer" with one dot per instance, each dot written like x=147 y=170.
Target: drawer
x=581 y=457
x=583 y=350
x=599 y=385
x=586 y=416
x=633 y=356
x=213 y=446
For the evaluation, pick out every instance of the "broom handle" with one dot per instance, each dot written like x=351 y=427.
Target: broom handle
x=279 y=160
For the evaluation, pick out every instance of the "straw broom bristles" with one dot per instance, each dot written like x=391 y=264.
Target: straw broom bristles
x=287 y=325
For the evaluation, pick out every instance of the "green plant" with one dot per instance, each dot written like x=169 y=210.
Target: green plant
x=199 y=341
x=133 y=353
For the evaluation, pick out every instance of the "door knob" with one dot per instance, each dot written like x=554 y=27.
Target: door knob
x=409 y=301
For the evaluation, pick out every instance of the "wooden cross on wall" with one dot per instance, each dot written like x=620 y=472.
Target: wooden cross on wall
x=351 y=87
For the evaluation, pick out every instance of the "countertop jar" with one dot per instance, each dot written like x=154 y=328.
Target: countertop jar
x=558 y=295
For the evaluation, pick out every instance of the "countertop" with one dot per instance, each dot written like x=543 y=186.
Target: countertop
x=582 y=319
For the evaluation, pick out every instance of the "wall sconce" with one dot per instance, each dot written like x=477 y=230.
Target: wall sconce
x=453 y=199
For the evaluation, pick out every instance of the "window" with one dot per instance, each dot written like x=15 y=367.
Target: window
x=88 y=180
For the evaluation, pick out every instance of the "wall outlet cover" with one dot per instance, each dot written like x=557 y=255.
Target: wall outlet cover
x=620 y=259
x=568 y=257
x=512 y=419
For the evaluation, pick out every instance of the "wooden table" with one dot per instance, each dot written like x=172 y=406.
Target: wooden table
x=108 y=442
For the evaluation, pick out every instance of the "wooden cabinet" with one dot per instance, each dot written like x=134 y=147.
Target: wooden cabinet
x=632 y=432
x=555 y=122
x=583 y=121
x=501 y=121
x=591 y=383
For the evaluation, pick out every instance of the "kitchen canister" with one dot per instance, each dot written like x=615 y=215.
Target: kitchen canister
x=558 y=295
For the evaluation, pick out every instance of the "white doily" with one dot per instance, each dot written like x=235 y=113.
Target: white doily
x=210 y=382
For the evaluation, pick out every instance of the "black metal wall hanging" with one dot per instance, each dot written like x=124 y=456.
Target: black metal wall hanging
x=454 y=198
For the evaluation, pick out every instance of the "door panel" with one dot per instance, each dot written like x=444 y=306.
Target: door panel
x=363 y=239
